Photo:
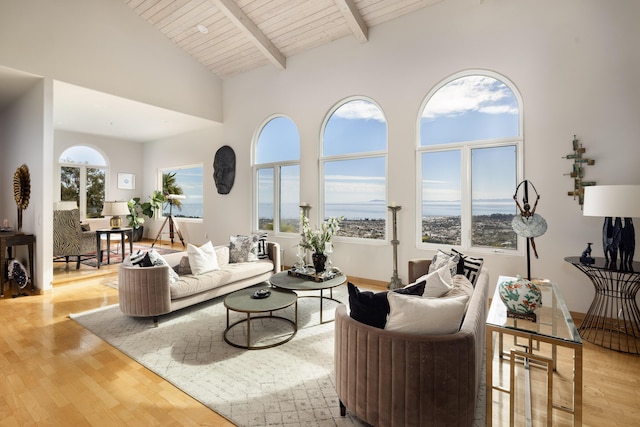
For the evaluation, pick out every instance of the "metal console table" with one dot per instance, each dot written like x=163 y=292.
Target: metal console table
x=613 y=319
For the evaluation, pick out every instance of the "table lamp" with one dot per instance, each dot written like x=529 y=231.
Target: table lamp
x=614 y=202
x=115 y=210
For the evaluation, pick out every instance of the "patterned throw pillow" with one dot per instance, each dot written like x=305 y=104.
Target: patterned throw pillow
x=471 y=266
x=153 y=258
x=263 y=253
x=441 y=258
x=243 y=248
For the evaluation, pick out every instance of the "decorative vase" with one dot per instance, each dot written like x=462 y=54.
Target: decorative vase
x=318 y=259
x=520 y=295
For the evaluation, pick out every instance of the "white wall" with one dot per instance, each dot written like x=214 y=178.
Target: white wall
x=105 y=46
x=122 y=156
x=574 y=62
x=26 y=134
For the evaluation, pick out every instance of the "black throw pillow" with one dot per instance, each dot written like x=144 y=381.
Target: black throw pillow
x=372 y=308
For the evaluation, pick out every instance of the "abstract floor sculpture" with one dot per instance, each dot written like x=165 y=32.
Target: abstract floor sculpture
x=287 y=385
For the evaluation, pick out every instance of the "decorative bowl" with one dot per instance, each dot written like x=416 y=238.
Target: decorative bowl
x=520 y=295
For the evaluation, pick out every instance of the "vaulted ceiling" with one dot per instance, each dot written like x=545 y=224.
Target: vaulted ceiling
x=233 y=36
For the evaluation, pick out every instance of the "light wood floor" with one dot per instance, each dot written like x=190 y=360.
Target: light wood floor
x=55 y=372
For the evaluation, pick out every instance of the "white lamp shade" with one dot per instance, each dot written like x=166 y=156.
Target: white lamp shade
x=65 y=206
x=612 y=200
x=115 y=209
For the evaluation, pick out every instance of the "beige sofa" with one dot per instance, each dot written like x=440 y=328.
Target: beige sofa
x=147 y=291
x=389 y=378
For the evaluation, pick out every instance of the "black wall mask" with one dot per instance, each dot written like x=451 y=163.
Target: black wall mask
x=224 y=169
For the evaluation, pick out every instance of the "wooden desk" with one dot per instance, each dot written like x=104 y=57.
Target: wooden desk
x=126 y=231
x=9 y=239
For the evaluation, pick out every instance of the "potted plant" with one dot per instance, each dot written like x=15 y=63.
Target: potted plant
x=319 y=240
x=135 y=218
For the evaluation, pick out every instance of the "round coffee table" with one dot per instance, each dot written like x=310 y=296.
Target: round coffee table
x=242 y=302
x=284 y=280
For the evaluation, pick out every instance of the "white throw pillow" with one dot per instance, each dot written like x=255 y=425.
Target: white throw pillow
x=439 y=282
x=425 y=316
x=202 y=259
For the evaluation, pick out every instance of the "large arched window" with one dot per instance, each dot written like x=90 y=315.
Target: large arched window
x=83 y=172
x=469 y=159
x=277 y=176
x=354 y=168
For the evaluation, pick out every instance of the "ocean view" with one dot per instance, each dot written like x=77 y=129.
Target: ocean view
x=378 y=209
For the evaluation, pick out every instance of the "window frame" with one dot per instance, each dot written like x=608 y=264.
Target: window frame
x=159 y=215
x=322 y=159
x=466 y=148
x=82 y=202
x=277 y=180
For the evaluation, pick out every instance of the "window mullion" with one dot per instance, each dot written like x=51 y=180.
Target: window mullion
x=465 y=221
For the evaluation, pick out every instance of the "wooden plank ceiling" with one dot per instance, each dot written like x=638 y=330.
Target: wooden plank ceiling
x=240 y=35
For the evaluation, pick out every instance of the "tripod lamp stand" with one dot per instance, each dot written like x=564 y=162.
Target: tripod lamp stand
x=173 y=226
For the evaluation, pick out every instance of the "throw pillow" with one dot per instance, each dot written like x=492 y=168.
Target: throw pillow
x=154 y=259
x=243 y=248
x=471 y=266
x=263 y=252
x=372 y=308
x=425 y=316
x=202 y=259
x=461 y=286
x=222 y=253
x=438 y=282
x=441 y=259
x=184 y=267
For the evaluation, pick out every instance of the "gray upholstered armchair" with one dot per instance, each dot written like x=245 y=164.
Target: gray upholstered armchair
x=68 y=238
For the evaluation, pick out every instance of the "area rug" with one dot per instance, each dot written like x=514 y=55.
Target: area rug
x=288 y=385
x=116 y=258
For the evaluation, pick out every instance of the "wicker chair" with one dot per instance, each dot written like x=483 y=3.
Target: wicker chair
x=68 y=238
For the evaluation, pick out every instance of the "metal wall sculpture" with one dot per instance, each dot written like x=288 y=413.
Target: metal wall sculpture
x=578 y=171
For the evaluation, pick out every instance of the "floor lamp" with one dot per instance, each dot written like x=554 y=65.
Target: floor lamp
x=173 y=226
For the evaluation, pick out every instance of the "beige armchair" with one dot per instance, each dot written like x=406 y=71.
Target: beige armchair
x=68 y=238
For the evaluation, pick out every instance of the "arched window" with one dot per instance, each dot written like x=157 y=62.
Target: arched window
x=469 y=157
x=354 y=168
x=277 y=176
x=83 y=172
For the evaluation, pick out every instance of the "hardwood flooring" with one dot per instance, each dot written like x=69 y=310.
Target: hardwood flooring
x=55 y=372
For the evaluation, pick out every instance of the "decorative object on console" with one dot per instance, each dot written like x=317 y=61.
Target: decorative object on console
x=586 y=257
x=578 y=171
x=317 y=240
x=614 y=202
x=21 y=192
x=527 y=223
x=115 y=210
x=224 y=169
x=395 y=282
x=522 y=297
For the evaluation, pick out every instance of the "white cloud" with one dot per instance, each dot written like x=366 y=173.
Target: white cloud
x=360 y=109
x=472 y=93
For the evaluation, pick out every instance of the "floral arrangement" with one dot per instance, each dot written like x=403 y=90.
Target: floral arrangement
x=316 y=240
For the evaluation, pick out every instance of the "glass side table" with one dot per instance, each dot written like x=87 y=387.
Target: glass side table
x=535 y=347
x=613 y=319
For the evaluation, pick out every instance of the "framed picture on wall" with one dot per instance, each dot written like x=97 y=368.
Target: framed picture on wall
x=126 y=181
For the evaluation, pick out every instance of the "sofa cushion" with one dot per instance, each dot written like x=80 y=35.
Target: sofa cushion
x=469 y=266
x=233 y=272
x=425 y=316
x=372 y=308
x=243 y=248
x=202 y=259
x=438 y=282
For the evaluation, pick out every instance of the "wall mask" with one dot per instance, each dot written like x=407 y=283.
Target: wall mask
x=224 y=169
